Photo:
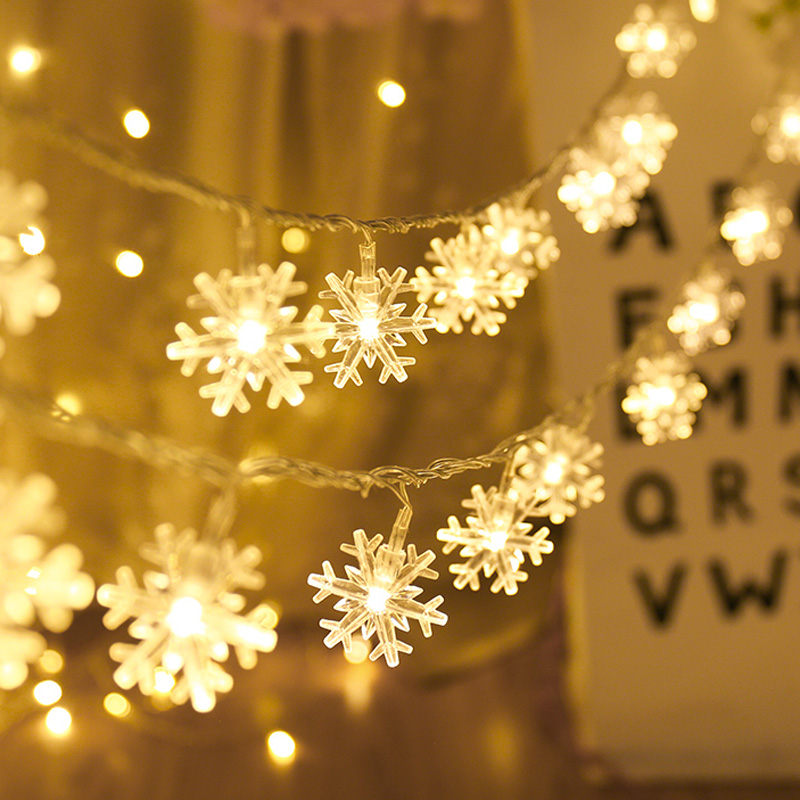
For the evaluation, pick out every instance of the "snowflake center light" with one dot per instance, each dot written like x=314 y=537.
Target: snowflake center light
x=368 y=328
x=554 y=472
x=751 y=223
x=465 y=287
x=632 y=132
x=376 y=599
x=496 y=539
x=661 y=396
x=185 y=617
x=790 y=123
x=510 y=243
x=656 y=39
x=705 y=312
x=603 y=183
x=251 y=336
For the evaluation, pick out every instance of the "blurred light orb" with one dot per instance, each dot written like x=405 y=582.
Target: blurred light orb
x=136 y=123
x=391 y=94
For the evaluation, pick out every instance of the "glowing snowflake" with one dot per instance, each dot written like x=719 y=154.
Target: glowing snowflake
x=186 y=616
x=370 y=325
x=663 y=398
x=34 y=582
x=755 y=224
x=706 y=311
x=251 y=338
x=655 y=42
x=558 y=470
x=378 y=595
x=780 y=126
x=494 y=541
x=523 y=240
x=599 y=195
x=465 y=284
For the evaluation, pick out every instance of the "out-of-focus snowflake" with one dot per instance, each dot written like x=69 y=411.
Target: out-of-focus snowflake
x=252 y=337
x=706 y=311
x=494 y=541
x=464 y=284
x=779 y=125
x=378 y=595
x=656 y=41
x=634 y=133
x=34 y=582
x=523 y=240
x=370 y=325
x=755 y=223
x=663 y=397
x=559 y=471
x=186 y=615
x=598 y=194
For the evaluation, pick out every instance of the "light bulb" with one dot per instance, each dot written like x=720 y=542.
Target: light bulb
x=136 y=123
x=790 y=123
x=58 y=721
x=497 y=540
x=632 y=132
x=661 y=396
x=185 y=618
x=252 y=336
x=24 y=60
x=281 y=747
x=46 y=693
x=164 y=681
x=32 y=242
x=295 y=240
x=554 y=472
x=704 y=10
x=368 y=328
x=376 y=599
x=117 y=705
x=706 y=313
x=129 y=264
x=391 y=94
x=656 y=39
x=465 y=286
x=603 y=183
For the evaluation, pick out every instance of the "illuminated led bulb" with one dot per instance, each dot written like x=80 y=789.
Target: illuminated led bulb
x=163 y=680
x=136 y=124
x=51 y=662
x=47 y=692
x=655 y=42
x=32 y=241
x=129 y=264
x=755 y=224
x=391 y=94
x=185 y=617
x=24 y=60
x=779 y=125
x=58 y=721
x=116 y=704
x=704 y=10
x=281 y=747
x=295 y=240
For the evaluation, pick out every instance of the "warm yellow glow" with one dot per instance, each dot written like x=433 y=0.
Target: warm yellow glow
x=465 y=287
x=47 y=692
x=497 y=540
x=376 y=599
x=359 y=651
x=129 y=264
x=661 y=396
x=58 y=721
x=33 y=241
x=632 y=132
x=704 y=10
x=368 y=328
x=704 y=312
x=510 y=244
x=136 y=123
x=295 y=240
x=70 y=402
x=117 y=705
x=790 y=123
x=185 y=617
x=281 y=747
x=251 y=337
x=746 y=224
x=25 y=60
x=391 y=94
x=51 y=662
x=164 y=681
x=603 y=183
x=554 y=472
x=656 y=39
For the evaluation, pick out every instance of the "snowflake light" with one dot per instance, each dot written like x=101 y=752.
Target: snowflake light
x=599 y=192
x=663 y=398
x=34 y=582
x=708 y=307
x=465 y=284
x=779 y=125
x=252 y=337
x=558 y=469
x=755 y=224
x=494 y=541
x=378 y=596
x=522 y=238
x=186 y=615
x=369 y=325
x=655 y=42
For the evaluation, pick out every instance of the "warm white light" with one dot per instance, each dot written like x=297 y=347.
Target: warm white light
x=603 y=183
x=465 y=287
x=704 y=10
x=25 y=60
x=164 y=681
x=376 y=599
x=510 y=243
x=368 y=328
x=129 y=264
x=47 y=692
x=58 y=721
x=70 y=402
x=185 y=618
x=33 y=241
x=554 y=472
x=497 y=540
x=391 y=94
x=746 y=225
x=136 y=123
x=656 y=39
x=51 y=662
x=632 y=132
x=117 y=705
x=295 y=240
x=661 y=396
x=704 y=312
x=251 y=337
x=790 y=123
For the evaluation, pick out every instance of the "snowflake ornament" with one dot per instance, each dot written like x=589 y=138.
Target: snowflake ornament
x=378 y=596
x=523 y=241
x=370 y=325
x=252 y=337
x=186 y=615
x=465 y=284
x=599 y=192
x=708 y=307
x=779 y=125
x=755 y=224
x=655 y=42
x=494 y=541
x=663 y=398
x=558 y=470
x=34 y=582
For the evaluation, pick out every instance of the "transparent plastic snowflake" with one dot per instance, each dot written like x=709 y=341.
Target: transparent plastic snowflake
x=494 y=541
x=779 y=125
x=634 y=133
x=34 y=582
x=378 y=595
x=598 y=194
x=251 y=338
x=186 y=616
x=558 y=470
x=465 y=284
x=370 y=325
x=663 y=397
x=656 y=41
x=708 y=307
x=522 y=238
x=755 y=224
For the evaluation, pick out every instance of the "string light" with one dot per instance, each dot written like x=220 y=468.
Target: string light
x=47 y=692
x=391 y=94
x=295 y=240
x=136 y=123
x=281 y=747
x=129 y=263
x=58 y=721
x=24 y=60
